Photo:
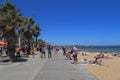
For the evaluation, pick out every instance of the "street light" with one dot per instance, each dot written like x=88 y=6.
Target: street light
x=18 y=34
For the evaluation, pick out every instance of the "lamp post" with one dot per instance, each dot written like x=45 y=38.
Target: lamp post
x=19 y=41
x=18 y=34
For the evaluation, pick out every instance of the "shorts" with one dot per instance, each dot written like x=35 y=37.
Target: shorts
x=74 y=55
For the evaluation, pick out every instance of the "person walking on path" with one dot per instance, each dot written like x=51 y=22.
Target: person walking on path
x=75 y=51
x=64 y=50
x=49 y=52
x=43 y=52
x=18 y=56
x=56 y=50
x=33 y=51
x=40 y=51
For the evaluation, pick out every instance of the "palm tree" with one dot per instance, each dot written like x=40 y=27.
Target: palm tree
x=41 y=42
x=28 y=29
x=10 y=19
x=36 y=32
x=21 y=29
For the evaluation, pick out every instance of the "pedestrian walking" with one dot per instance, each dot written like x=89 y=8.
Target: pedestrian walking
x=49 y=52
x=33 y=51
x=40 y=51
x=64 y=50
x=18 y=56
x=43 y=52
x=75 y=51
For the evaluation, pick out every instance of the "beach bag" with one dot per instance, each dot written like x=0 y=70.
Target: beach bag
x=66 y=58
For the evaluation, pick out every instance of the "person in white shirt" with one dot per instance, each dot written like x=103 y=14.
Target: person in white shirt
x=75 y=50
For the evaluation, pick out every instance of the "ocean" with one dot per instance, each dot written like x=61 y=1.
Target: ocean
x=110 y=49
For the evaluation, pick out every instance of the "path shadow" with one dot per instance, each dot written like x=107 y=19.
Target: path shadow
x=7 y=61
x=71 y=63
x=4 y=59
x=21 y=60
x=74 y=63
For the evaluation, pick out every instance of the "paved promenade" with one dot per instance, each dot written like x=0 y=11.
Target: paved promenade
x=26 y=70
x=55 y=68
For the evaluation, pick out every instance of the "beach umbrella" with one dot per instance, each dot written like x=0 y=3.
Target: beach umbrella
x=2 y=43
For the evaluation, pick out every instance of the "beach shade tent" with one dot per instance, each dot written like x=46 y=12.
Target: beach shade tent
x=3 y=43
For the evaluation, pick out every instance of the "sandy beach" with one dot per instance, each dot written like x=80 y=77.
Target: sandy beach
x=110 y=70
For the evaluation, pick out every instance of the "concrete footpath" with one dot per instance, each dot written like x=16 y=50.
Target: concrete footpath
x=25 y=70
x=55 y=68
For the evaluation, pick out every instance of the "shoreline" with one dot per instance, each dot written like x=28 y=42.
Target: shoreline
x=100 y=51
x=104 y=49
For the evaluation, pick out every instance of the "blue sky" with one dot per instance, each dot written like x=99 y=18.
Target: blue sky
x=69 y=22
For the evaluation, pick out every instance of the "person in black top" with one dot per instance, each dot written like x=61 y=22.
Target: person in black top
x=64 y=50
x=49 y=52
x=41 y=51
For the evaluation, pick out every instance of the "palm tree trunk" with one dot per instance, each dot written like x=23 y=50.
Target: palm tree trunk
x=11 y=50
x=11 y=45
x=29 y=42
x=36 y=42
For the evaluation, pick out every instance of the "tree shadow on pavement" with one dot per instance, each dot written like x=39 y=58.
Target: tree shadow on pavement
x=21 y=60
x=7 y=61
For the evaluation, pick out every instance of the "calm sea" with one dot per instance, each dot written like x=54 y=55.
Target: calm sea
x=98 y=48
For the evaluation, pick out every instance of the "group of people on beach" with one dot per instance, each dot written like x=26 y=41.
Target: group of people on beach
x=71 y=54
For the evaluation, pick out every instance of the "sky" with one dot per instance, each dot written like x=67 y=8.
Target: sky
x=70 y=22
